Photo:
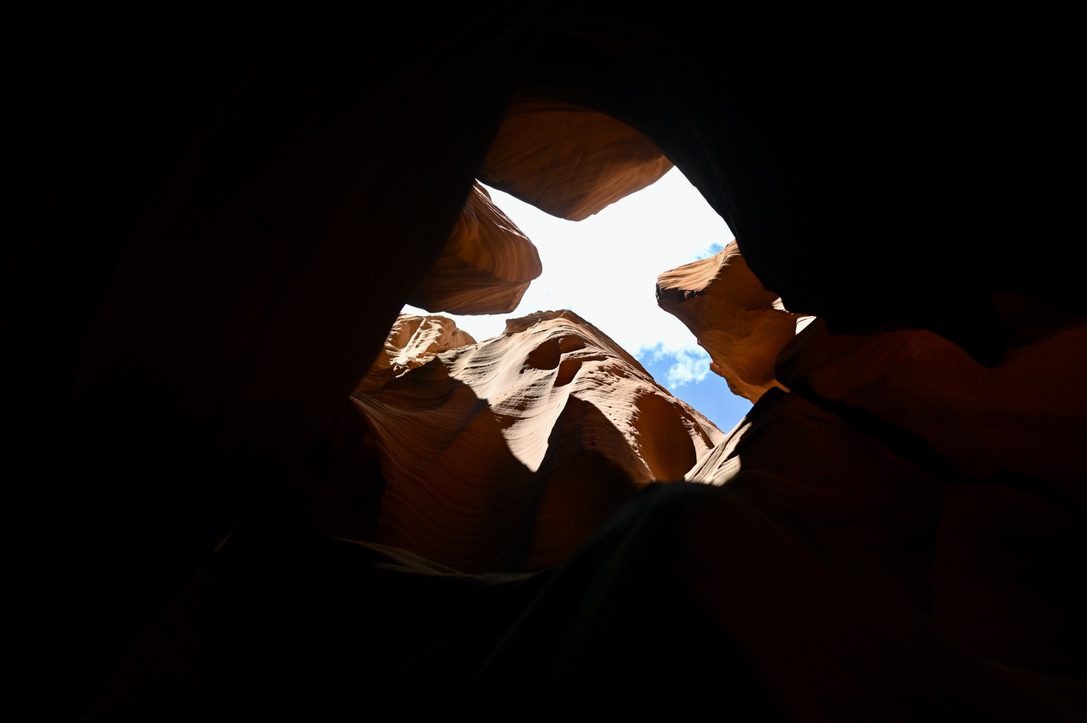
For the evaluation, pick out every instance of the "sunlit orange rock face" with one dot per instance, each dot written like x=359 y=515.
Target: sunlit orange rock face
x=507 y=454
x=896 y=451
x=413 y=341
x=741 y=324
x=486 y=265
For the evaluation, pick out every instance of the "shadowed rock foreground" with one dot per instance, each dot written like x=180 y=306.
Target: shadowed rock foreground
x=247 y=486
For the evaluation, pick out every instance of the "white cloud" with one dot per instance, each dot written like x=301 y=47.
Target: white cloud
x=684 y=366
x=605 y=268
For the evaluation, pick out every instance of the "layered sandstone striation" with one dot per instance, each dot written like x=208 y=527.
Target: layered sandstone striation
x=412 y=341
x=507 y=455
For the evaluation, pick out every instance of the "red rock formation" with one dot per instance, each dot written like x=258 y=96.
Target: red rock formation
x=918 y=463
x=486 y=265
x=1024 y=417
x=742 y=325
x=201 y=268
x=508 y=454
x=412 y=342
x=568 y=161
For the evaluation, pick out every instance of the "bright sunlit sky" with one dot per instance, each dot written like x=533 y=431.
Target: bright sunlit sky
x=605 y=269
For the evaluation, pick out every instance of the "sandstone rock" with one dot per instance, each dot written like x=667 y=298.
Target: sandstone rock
x=1024 y=417
x=485 y=266
x=201 y=271
x=954 y=488
x=569 y=161
x=742 y=325
x=506 y=455
x=411 y=342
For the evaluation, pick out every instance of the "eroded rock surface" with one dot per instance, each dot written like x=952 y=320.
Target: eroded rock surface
x=742 y=325
x=413 y=341
x=486 y=265
x=507 y=455
x=201 y=268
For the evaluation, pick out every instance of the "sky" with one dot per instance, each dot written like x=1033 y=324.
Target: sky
x=605 y=269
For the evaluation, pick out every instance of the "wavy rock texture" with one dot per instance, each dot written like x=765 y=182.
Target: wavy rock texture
x=506 y=455
x=741 y=324
x=486 y=265
x=411 y=342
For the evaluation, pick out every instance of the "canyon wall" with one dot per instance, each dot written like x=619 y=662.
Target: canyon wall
x=246 y=486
